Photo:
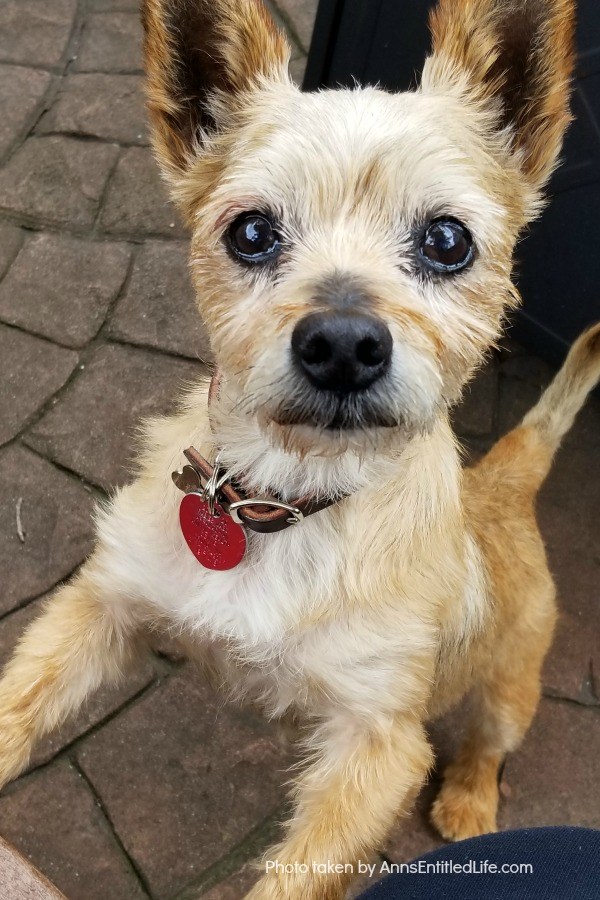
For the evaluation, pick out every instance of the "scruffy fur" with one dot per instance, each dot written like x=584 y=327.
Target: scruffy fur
x=425 y=580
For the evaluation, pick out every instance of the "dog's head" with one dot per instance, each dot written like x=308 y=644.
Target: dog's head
x=352 y=249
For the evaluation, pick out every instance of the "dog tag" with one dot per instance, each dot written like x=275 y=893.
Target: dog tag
x=187 y=480
x=217 y=542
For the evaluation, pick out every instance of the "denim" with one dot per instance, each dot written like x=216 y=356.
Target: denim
x=566 y=866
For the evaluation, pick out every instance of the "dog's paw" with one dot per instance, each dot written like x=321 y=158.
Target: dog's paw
x=15 y=749
x=459 y=814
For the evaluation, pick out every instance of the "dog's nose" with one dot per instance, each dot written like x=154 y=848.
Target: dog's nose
x=342 y=351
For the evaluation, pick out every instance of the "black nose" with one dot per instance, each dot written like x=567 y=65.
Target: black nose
x=342 y=351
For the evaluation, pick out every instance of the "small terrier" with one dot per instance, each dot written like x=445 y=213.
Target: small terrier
x=352 y=255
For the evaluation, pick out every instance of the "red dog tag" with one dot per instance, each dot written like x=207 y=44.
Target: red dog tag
x=218 y=543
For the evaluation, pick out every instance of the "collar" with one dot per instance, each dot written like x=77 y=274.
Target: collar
x=265 y=515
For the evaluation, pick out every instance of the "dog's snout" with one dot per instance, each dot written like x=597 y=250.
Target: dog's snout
x=342 y=351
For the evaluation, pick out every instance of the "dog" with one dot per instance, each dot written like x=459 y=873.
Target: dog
x=352 y=253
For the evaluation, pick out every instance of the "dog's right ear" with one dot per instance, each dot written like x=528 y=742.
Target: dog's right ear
x=201 y=58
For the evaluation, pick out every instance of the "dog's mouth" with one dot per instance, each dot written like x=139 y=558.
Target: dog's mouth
x=330 y=411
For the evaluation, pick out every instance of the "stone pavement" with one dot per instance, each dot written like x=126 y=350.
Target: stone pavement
x=156 y=790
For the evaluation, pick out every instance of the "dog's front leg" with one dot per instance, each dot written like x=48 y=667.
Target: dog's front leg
x=81 y=639
x=357 y=782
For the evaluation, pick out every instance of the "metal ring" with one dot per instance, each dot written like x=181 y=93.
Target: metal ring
x=212 y=486
x=296 y=514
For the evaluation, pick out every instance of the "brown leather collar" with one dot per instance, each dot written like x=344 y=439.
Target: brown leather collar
x=257 y=516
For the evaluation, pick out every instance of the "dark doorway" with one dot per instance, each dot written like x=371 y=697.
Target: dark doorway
x=558 y=263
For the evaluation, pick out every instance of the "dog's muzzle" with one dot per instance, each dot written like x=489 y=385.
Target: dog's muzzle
x=340 y=363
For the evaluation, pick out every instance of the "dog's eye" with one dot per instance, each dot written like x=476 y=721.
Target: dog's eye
x=253 y=238
x=446 y=246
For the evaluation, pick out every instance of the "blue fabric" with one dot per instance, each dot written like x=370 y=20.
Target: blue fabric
x=565 y=866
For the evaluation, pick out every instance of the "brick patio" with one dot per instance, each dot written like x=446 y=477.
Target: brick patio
x=157 y=790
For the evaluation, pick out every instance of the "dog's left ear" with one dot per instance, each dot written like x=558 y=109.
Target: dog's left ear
x=202 y=57
x=516 y=57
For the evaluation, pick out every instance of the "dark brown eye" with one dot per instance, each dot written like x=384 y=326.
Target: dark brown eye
x=446 y=246
x=253 y=238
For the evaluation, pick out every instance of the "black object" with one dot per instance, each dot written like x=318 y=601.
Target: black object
x=343 y=351
x=564 y=864
x=558 y=263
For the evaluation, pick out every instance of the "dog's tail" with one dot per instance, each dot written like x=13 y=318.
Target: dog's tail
x=523 y=457
x=556 y=409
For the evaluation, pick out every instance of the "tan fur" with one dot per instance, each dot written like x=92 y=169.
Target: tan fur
x=423 y=581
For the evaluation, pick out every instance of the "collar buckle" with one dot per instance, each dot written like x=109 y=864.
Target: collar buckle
x=296 y=515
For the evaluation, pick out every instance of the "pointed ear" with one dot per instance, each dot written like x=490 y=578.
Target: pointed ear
x=516 y=55
x=198 y=53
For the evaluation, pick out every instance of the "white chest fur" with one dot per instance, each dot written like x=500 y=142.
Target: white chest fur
x=274 y=586
x=341 y=605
